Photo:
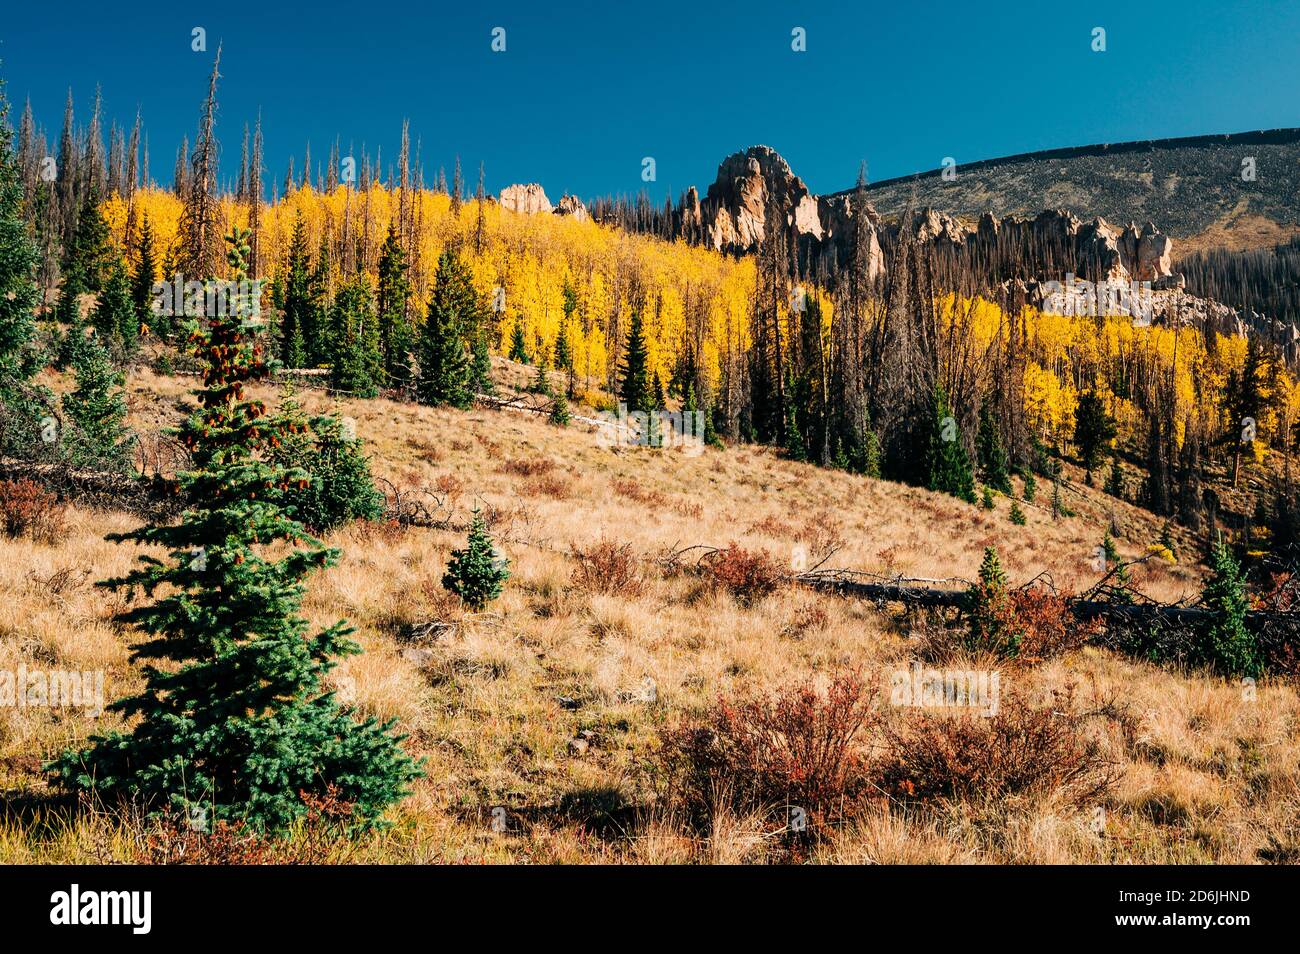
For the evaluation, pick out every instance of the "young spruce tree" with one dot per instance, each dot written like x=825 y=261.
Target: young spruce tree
x=947 y=467
x=236 y=722
x=96 y=437
x=453 y=308
x=476 y=573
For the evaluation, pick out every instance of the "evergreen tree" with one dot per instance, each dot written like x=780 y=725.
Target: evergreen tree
x=96 y=436
x=635 y=387
x=1016 y=514
x=1115 y=479
x=560 y=410
x=518 y=349
x=143 y=280
x=994 y=469
x=1225 y=643
x=991 y=619
x=339 y=487
x=947 y=467
x=298 y=311
x=89 y=254
x=396 y=337
x=114 y=316
x=480 y=368
x=541 y=381
x=454 y=306
x=564 y=353
x=237 y=723
x=477 y=572
x=356 y=364
x=316 y=331
x=22 y=406
x=1093 y=430
x=1031 y=488
x=1059 y=509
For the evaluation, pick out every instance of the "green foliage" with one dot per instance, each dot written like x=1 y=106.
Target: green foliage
x=634 y=377
x=96 y=437
x=1059 y=509
x=1109 y=549
x=946 y=466
x=477 y=572
x=114 y=316
x=236 y=722
x=1017 y=515
x=1225 y=643
x=145 y=276
x=518 y=348
x=356 y=363
x=541 y=382
x=1115 y=478
x=1111 y=552
x=1093 y=430
x=990 y=618
x=396 y=337
x=563 y=350
x=994 y=468
x=480 y=366
x=87 y=258
x=560 y=410
x=339 y=487
x=1031 y=488
x=454 y=308
x=21 y=405
x=298 y=314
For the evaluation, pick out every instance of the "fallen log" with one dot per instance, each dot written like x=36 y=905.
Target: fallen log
x=933 y=597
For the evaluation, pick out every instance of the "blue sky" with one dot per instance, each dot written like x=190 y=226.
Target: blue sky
x=584 y=91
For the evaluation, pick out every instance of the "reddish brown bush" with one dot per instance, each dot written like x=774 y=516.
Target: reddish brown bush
x=634 y=491
x=748 y=575
x=793 y=747
x=449 y=484
x=806 y=619
x=384 y=531
x=548 y=485
x=1020 y=750
x=1047 y=627
x=28 y=509
x=322 y=837
x=528 y=466
x=607 y=567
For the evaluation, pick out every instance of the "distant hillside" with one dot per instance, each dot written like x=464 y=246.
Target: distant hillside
x=1191 y=188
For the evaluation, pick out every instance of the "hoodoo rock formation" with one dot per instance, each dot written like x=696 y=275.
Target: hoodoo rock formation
x=529 y=198
x=756 y=185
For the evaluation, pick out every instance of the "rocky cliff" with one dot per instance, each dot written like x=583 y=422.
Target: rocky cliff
x=757 y=185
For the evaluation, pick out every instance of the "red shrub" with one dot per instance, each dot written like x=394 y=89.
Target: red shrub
x=607 y=567
x=793 y=747
x=1021 y=750
x=528 y=467
x=748 y=575
x=1047 y=627
x=28 y=509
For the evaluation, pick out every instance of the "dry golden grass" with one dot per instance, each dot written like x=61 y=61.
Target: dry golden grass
x=549 y=703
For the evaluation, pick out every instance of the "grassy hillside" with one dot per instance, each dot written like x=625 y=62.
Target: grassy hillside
x=553 y=703
x=1192 y=188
